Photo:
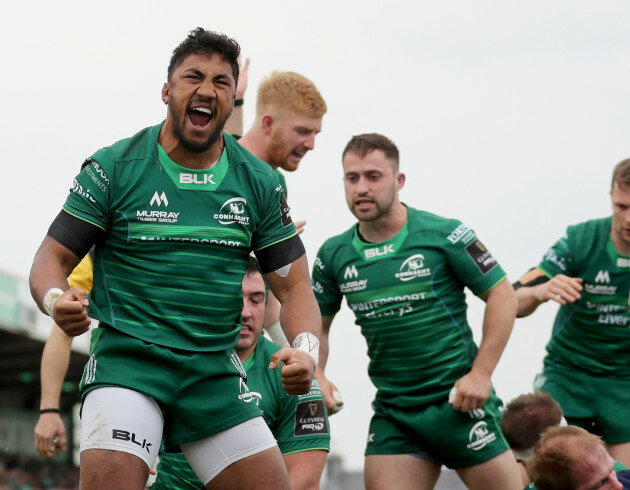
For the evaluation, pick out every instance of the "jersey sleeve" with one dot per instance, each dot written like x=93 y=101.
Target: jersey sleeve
x=82 y=274
x=303 y=422
x=275 y=221
x=471 y=261
x=559 y=258
x=325 y=286
x=90 y=194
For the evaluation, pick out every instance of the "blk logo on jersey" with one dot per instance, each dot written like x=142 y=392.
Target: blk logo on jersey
x=310 y=418
x=371 y=253
x=185 y=178
x=233 y=211
x=124 y=435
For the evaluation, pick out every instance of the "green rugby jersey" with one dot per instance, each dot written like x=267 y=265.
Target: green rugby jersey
x=176 y=240
x=592 y=334
x=299 y=423
x=408 y=297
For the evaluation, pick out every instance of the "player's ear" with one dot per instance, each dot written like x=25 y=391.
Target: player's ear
x=400 y=180
x=267 y=124
x=165 y=91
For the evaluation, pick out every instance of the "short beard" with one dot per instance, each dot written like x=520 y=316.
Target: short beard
x=194 y=146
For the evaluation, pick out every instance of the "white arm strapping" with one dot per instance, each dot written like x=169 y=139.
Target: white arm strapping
x=309 y=343
x=277 y=335
x=50 y=298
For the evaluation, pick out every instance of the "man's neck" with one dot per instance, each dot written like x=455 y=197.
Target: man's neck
x=254 y=142
x=384 y=227
x=245 y=354
x=620 y=245
x=186 y=158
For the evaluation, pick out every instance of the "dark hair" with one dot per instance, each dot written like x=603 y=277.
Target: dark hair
x=200 y=41
x=363 y=144
x=527 y=416
x=621 y=173
x=253 y=267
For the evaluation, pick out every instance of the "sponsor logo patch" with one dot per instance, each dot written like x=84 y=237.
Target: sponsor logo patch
x=482 y=257
x=153 y=216
x=602 y=277
x=285 y=210
x=90 y=370
x=82 y=191
x=457 y=234
x=480 y=436
x=310 y=418
x=96 y=173
x=319 y=264
x=233 y=211
x=351 y=286
x=351 y=271
x=413 y=267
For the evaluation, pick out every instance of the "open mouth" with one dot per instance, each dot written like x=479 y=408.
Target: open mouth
x=363 y=202
x=200 y=117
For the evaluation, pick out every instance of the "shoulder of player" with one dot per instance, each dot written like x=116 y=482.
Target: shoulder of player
x=592 y=228
x=426 y=222
x=583 y=238
x=134 y=149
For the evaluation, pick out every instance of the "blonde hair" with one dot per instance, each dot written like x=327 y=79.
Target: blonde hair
x=290 y=90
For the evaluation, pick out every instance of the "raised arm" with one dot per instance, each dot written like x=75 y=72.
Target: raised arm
x=234 y=124
x=54 y=365
x=535 y=288
x=300 y=320
x=473 y=389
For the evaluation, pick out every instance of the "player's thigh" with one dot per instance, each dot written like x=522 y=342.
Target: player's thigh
x=499 y=473
x=104 y=469
x=400 y=471
x=241 y=456
x=121 y=431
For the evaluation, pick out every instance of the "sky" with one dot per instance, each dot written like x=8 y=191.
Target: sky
x=508 y=115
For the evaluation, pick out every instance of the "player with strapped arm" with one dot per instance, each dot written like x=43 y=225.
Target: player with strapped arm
x=50 y=433
x=587 y=271
x=174 y=212
x=289 y=115
x=403 y=273
x=299 y=423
